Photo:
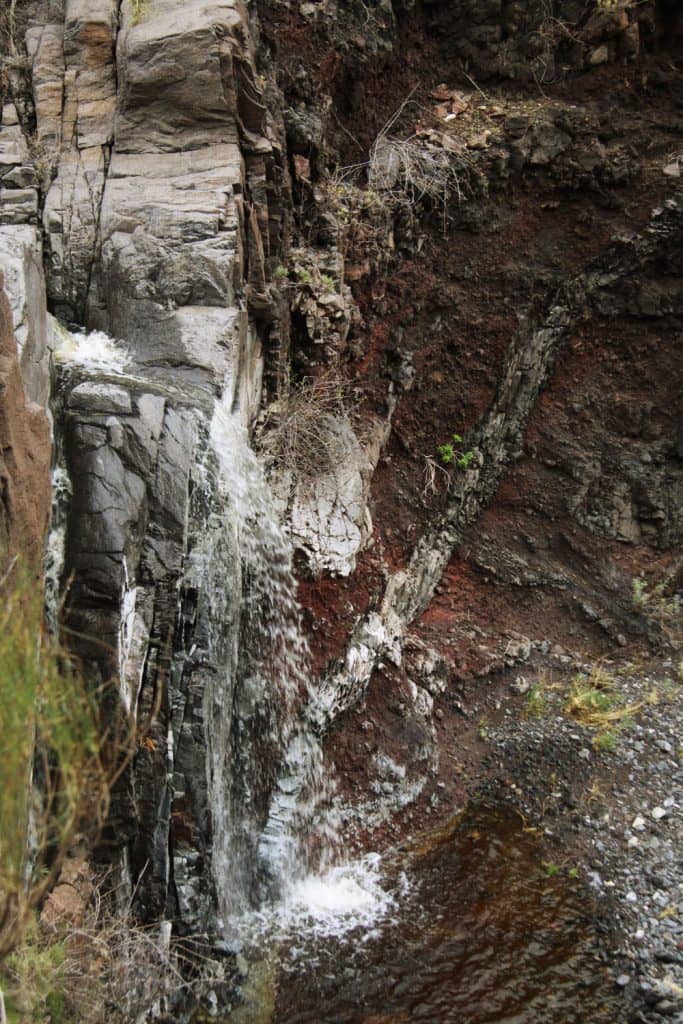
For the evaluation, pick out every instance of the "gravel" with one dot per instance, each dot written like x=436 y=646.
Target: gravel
x=621 y=810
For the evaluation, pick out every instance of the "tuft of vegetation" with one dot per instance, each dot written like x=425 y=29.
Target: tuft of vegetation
x=661 y=604
x=605 y=742
x=300 y=434
x=594 y=701
x=450 y=453
x=56 y=777
x=138 y=8
x=108 y=967
x=410 y=171
x=535 y=702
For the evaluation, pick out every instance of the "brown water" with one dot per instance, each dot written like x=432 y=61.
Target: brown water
x=485 y=934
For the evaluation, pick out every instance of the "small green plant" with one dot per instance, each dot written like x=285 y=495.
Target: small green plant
x=449 y=452
x=35 y=980
x=304 y=276
x=639 y=592
x=535 y=702
x=327 y=282
x=573 y=872
x=280 y=272
x=551 y=868
x=605 y=742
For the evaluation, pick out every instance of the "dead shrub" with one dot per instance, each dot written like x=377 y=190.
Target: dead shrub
x=300 y=433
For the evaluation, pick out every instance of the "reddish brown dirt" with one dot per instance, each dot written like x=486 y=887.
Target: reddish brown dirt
x=457 y=305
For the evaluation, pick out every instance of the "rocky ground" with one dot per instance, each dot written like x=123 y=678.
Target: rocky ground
x=610 y=805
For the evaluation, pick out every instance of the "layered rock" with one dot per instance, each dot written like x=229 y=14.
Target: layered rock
x=158 y=227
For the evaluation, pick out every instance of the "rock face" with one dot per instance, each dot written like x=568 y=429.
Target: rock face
x=161 y=209
x=26 y=454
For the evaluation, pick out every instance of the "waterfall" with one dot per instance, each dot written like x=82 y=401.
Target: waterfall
x=272 y=685
x=53 y=563
x=201 y=573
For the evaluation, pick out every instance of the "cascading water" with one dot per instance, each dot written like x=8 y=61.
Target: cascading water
x=272 y=684
x=238 y=646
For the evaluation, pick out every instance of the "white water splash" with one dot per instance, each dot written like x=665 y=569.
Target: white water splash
x=93 y=349
x=129 y=594
x=342 y=899
x=351 y=901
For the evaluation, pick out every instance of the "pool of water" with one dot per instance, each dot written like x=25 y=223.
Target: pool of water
x=472 y=927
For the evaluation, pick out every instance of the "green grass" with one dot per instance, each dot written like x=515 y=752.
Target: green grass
x=535 y=702
x=49 y=731
x=605 y=741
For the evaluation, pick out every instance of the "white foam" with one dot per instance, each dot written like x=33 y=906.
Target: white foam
x=90 y=348
x=350 y=899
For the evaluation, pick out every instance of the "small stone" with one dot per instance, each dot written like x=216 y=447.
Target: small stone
x=638 y=823
x=631 y=897
x=658 y=813
x=623 y=980
x=672 y=170
x=521 y=685
x=585 y=754
x=599 y=55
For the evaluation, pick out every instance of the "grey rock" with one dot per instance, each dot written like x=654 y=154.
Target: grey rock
x=100 y=397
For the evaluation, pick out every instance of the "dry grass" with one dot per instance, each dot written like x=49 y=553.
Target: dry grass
x=661 y=604
x=595 y=702
x=299 y=434
x=409 y=170
x=108 y=969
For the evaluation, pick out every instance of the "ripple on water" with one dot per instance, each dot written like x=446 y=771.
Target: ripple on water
x=465 y=927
